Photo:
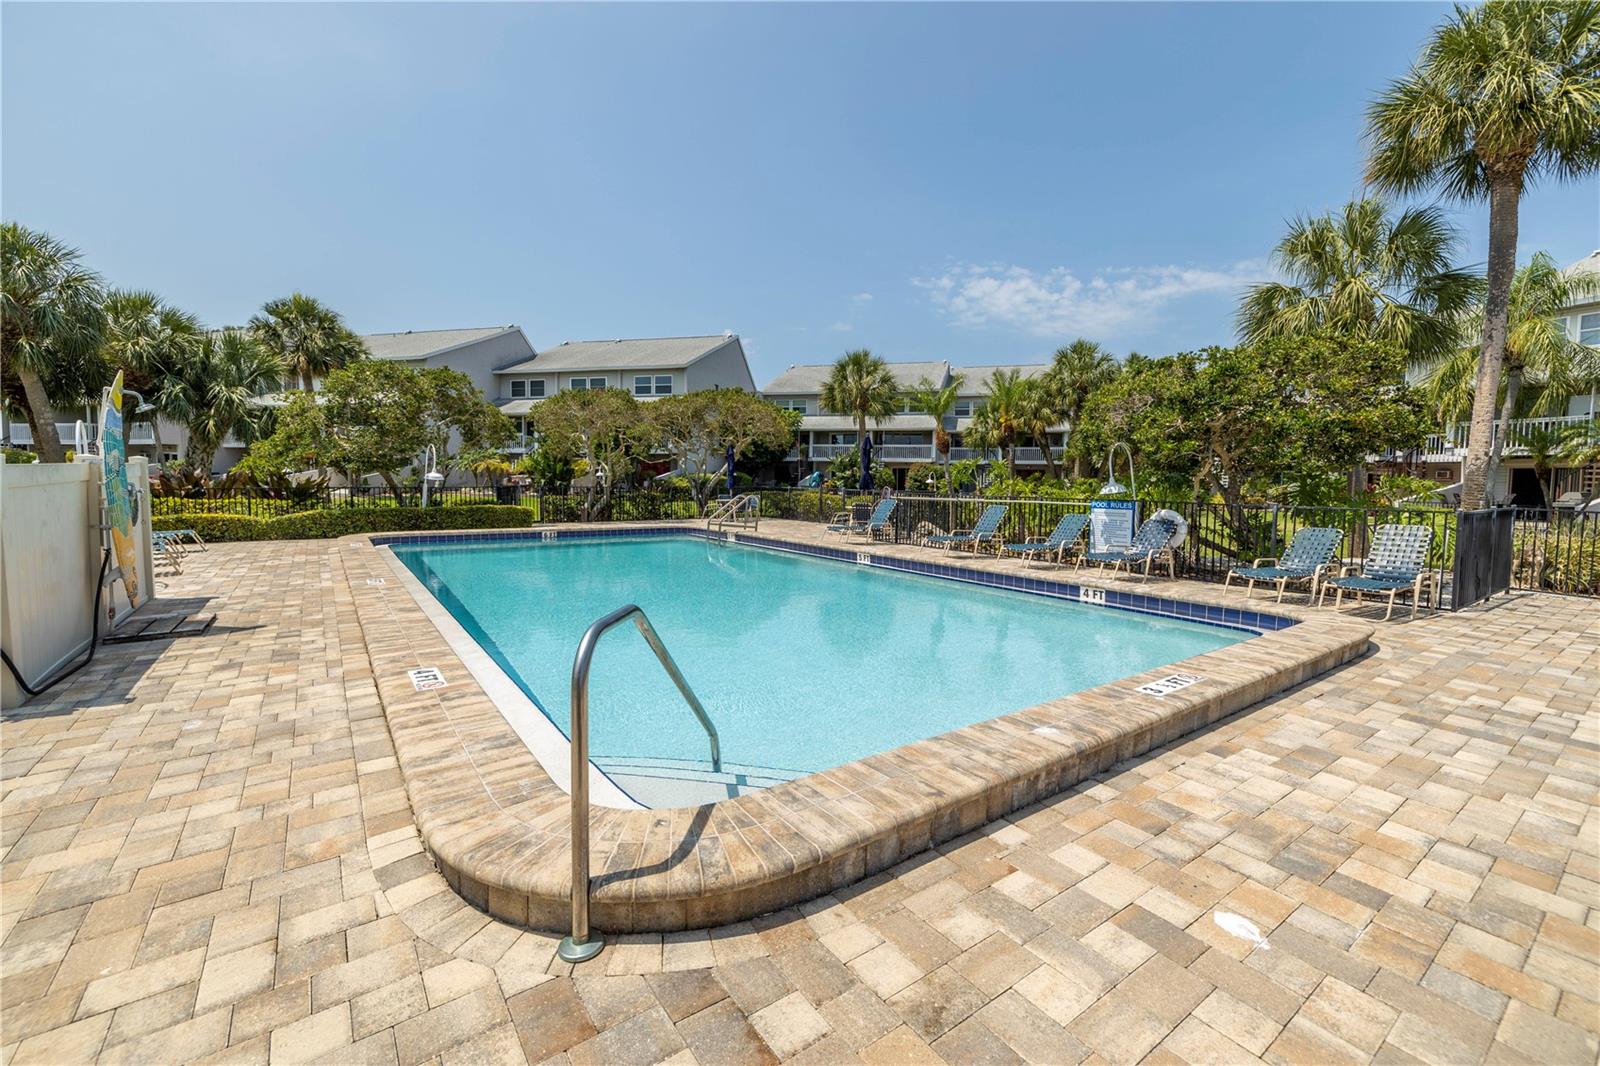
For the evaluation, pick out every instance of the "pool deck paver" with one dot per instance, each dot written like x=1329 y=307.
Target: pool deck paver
x=209 y=855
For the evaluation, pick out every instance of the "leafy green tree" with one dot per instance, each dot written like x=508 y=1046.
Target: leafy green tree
x=1504 y=94
x=547 y=468
x=1550 y=445
x=1003 y=418
x=601 y=428
x=937 y=401
x=51 y=324
x=216 y=390
x=698 y=428
x=376 y=417
x=1233 y=422
x=861 y=386
x=309 y=337
x=1365 y=274
x=1076 y=371
x=150 y=341
x=1543 y=366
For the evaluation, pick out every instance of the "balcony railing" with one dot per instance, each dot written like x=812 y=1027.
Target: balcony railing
x=1452 y=443
x=830 y=451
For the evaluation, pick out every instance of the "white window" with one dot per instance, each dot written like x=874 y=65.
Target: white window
x=641 y=385
x=587 y=383
x=1589 y=329
x=963 y=409
x=519 y=389
x=535 y=388
x=663 y=384
x=792 y=405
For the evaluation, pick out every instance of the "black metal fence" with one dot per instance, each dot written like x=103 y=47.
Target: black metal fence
x=1556 y=551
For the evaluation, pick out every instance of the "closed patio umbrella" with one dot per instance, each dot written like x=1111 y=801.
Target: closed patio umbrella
x=866 y=464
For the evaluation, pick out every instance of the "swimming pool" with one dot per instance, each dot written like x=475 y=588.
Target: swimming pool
x=802 y=663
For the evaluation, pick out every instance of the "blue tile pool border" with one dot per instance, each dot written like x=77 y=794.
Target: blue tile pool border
x=1250 y=621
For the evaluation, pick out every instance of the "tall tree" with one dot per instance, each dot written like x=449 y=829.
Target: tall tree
x=150 y=341
x=862 y=386
x=1543 y=366
x=1041 y=411
x=215 y=392
x=1504 y=94
x=604 y=428
x=1364 y=274
x=937 y=401
x=51 y=323
x=308 y=336
x=1002 y=418
x=1075 y=372
x=698 y=428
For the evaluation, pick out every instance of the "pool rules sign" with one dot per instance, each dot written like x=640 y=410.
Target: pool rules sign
x=1111 y=523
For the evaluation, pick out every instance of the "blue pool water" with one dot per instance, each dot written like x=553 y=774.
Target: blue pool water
x=803 y=664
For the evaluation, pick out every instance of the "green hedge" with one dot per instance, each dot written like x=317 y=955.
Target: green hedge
x=339 y=522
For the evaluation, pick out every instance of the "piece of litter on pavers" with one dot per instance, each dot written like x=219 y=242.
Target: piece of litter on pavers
x=1243 y=928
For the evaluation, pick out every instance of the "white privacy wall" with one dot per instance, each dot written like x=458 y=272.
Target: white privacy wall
x=50 y=550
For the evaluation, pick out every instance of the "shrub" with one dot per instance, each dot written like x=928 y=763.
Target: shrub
x=339 y=522
x=20 y=455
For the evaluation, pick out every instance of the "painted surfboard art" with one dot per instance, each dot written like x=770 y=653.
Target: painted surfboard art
x=119 y=503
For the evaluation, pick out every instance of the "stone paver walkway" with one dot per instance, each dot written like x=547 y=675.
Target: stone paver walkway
x=208 y=855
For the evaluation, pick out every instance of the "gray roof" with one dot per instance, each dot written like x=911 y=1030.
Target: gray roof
x=423 y=343
x=1589 y=264
x=976 y=376
x=648 y=353
x=841 y=423
x=807 y=379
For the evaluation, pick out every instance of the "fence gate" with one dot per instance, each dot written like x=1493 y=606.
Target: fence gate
x=1483 y=555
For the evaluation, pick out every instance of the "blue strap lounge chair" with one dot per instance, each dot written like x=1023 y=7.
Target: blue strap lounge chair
x=1396 y=563
x=854 y=519
x=1060 y=541
x=985 y=531
x=877 y=522
x=1311 y=552
x=1150 y=542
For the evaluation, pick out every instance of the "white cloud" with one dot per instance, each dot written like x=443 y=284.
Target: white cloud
x=861 y=298
x=841 y=327
x=1057 y=302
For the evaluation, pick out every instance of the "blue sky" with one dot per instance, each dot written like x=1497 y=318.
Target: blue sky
x=977 y=183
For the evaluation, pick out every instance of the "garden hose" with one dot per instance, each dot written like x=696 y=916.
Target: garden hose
x=94 y=640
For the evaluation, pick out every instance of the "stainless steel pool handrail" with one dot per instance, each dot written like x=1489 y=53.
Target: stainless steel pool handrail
x=580 y=946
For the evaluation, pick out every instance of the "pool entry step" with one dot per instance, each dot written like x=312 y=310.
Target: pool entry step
x=686 y=782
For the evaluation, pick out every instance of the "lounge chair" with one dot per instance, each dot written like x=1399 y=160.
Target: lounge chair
x=1311 y=551
x=848 y=521
x=1058 y=543
x=985 y=531
x=877 y=522
x=1150 y=542
x=1397 y=563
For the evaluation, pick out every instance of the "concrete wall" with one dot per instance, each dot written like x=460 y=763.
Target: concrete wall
x=50 y=552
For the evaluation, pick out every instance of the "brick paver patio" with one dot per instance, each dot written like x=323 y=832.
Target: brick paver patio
x=209 y=856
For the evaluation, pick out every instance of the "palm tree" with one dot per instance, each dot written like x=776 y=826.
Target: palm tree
x=1002 y=418
x=937 y=401
x=308 y=337
x=1538 y=352
x=1361 y=273
x=1040 y=412
x=149 y=341
x=1504 y=94
x=216 y=391
x=1548 y=445
x=861 y=385
x=1076 y=371
x=51 y=322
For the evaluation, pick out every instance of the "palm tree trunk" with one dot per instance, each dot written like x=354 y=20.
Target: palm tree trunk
x=41 y=421
x=1503 y=196
x=1049 y=460
x=1508 y=408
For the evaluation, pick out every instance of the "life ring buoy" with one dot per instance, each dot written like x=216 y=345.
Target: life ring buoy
x=1181 y=533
